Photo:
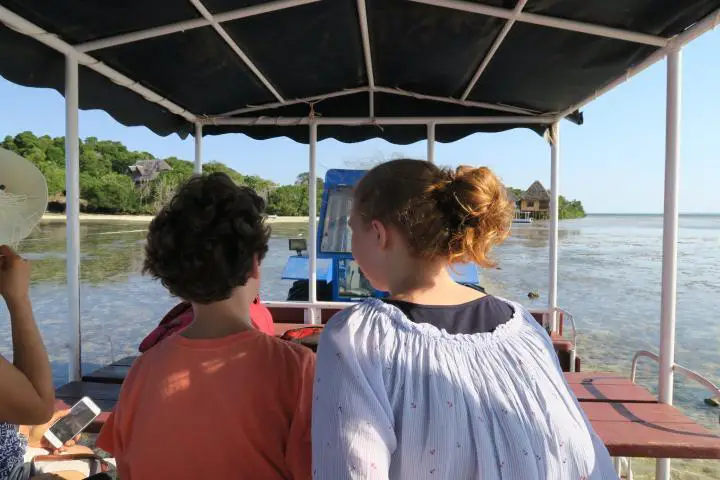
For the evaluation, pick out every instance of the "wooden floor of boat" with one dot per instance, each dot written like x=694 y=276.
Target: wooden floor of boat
x=626 y=416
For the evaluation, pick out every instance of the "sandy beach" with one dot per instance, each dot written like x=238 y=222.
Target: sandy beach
x=89 y=217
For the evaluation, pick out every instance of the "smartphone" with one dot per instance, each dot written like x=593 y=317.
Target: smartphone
x=69 y=426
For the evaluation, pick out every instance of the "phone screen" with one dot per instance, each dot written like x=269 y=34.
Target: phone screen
x=73 y=423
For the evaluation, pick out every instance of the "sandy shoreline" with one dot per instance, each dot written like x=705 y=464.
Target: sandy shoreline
x=88 y=217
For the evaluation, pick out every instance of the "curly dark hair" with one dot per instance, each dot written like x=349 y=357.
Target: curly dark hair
x=202 y=244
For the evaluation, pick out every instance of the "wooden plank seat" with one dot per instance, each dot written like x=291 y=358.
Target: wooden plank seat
x=561 y=344
x=597 y=378
x=607 y=387
x=99 y=392
x=126 y=362
x=650 y=430
x=112 y=373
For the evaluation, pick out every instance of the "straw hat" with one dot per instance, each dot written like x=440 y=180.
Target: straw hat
x=23 y=197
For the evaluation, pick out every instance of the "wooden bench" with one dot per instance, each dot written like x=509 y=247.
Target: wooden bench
x=650 y=430
x=607 y=387
x=627 y=417
x=632 y=423
x=113 y=373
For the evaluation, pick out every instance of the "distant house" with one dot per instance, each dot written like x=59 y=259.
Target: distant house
x=147 y=170
x=536 y=201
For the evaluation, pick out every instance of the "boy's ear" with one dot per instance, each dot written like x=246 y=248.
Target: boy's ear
x=255 y=272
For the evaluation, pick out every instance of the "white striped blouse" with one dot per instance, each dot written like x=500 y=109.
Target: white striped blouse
x=401 y=400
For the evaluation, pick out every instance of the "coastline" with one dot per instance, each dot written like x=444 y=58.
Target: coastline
x=91 y=217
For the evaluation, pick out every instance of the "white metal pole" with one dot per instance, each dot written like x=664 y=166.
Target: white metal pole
x=72 y=212
x=313 y=316
x=431 y=142
x=198 y=148
x=670 y=237
x=554 y=221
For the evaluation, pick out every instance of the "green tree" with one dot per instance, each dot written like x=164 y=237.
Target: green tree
x=213 y=167
x=106 y=186
x=182 y=167
x=287 y=201
x=259 y=184
x=93 y=162
x=291 y=201
x=569 y=209
x=111 y=193
x=54 y=177
x=518 y=193
x=304 y=179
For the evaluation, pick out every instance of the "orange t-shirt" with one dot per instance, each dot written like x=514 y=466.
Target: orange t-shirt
x=233 y=407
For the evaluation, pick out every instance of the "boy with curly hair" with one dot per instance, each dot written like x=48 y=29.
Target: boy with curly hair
x=220 y=399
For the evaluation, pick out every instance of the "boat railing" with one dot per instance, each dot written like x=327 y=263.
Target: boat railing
x=686 y=372
x=565 y=315
x=340 y=305
x=545 y=312
x=676 y=368
x=307 y=305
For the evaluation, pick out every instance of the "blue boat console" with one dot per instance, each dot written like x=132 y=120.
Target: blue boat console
x=338 y=275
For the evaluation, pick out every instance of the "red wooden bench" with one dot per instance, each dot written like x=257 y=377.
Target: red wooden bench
x=112 y=373
x=607 y=387
x=626 y=416
x=650 y=430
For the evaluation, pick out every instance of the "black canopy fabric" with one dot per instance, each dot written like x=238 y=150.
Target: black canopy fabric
x=317 y=48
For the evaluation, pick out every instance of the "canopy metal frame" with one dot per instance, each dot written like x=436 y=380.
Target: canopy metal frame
x=81 y=52
x=670 y=48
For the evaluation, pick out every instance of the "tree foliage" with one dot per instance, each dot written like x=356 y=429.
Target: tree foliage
x=570 y=209
x=291 y=201
x=109 y=193
x=106 y=185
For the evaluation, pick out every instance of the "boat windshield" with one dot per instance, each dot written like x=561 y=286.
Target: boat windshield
x=337 y=235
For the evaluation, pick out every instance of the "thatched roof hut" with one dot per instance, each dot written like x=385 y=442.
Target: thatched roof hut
x=148 y=170
x=511 y=195
x=536 y=192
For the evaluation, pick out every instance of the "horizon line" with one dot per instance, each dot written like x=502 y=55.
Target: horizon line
x=710 y=214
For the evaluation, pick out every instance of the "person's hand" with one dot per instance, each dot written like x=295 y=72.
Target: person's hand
x=14 y=275
x=36 y=435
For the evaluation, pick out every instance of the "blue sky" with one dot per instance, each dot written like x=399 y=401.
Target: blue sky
x=613 y=163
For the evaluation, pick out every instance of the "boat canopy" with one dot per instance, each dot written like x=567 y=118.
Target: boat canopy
x=387 y=67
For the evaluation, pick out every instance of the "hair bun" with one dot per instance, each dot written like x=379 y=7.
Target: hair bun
x=475 y=205
x=457 y=195
x=450 y=215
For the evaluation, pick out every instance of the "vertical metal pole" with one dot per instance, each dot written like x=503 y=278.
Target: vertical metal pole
x=431 y=142
x=670 y=237
x=72 y=212
x=554 y=221
x=198 y=148
x=313 y=316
